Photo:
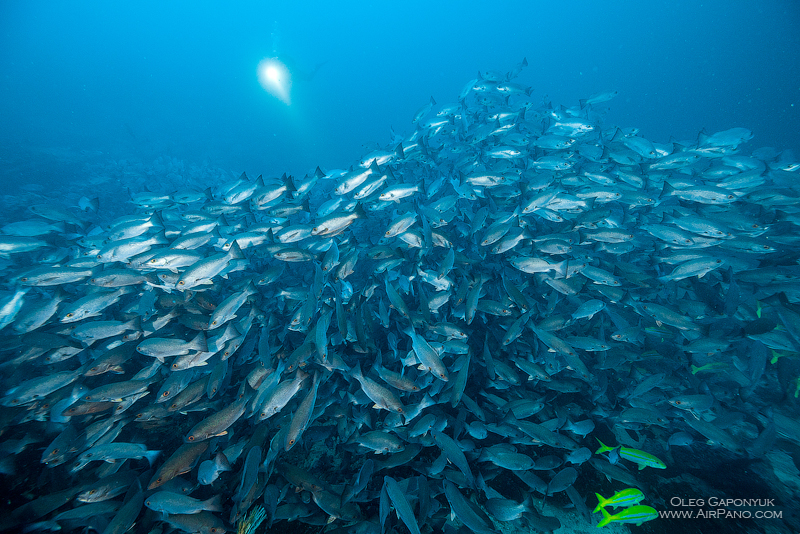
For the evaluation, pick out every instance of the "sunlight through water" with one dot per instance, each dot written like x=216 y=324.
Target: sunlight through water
x=275 y=78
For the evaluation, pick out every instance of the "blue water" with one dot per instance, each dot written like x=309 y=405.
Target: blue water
x=149 y=79
x=97 y=97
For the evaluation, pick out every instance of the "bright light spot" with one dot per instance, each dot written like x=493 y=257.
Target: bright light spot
x=275 y=78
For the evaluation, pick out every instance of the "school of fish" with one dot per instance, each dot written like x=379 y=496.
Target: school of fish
x=434 y=338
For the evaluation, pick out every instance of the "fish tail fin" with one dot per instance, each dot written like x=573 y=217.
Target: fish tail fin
x=359 y=212
x=236 y=252
x=199 y=342
x=356 y=370
x=603 y=447
x=528 y=503
x=250 y=288
x=157 y=219
x=134 y=324
x=223 y=462
x=214 y=504
x=289 y=183
x=561 y=268
x=601 y=502
x=606 y=518
x=160 y=238
x=151 y=456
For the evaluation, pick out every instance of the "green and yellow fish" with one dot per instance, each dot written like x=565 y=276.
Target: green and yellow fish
x=634 y=455
x=708 y=367
x=635 y=514
x=626 y=497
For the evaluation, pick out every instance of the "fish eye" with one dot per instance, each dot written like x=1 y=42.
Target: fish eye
x=166 y=393
x=69 y=315
x=190 y=438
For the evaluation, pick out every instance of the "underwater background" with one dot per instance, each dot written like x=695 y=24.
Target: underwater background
x=483 y=238
x=179 y=79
